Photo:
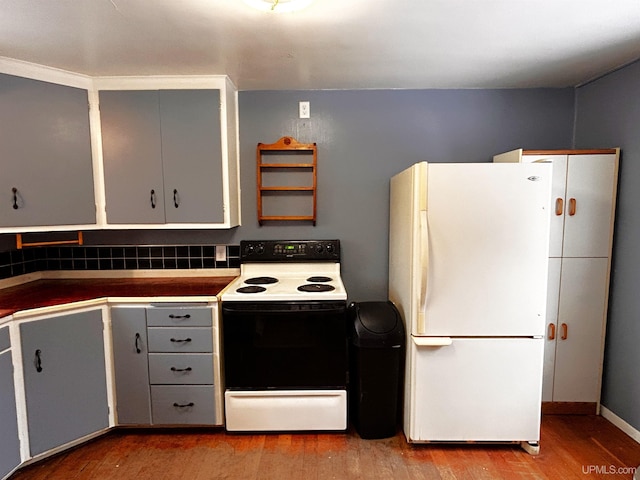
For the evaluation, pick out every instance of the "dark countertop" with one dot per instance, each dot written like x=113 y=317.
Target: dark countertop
x=52 y=292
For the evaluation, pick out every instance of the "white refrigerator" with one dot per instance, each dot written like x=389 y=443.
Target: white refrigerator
x=468 y=251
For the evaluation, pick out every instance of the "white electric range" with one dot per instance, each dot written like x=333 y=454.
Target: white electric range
x=285 y=338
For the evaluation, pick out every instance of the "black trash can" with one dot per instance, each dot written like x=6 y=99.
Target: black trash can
x=377 y=341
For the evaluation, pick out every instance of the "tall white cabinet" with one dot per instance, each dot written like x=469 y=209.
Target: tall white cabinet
x=583 y=205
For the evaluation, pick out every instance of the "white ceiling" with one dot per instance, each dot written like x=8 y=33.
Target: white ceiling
x=334 y=44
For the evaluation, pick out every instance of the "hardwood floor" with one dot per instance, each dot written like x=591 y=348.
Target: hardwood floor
x=572 y=447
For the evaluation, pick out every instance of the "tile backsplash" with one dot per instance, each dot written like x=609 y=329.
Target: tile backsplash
x=114 y=257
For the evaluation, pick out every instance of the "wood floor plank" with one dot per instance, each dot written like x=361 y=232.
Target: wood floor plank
x=572 y=447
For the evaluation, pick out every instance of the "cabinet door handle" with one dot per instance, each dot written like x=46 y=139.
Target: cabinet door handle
x=559 y=206
x=14 y=190
x=179 y=316
x=38 y=360
x=565 y=331
x=153 y=198
x=552 y=331
x=572 y=207
x=177 y=340
x=176 y=198
x=138 y=350
x=175 y=369
x=183 y=405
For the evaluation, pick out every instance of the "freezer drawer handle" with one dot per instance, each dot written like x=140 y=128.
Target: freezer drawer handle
x=432 y=341
x=138 y=350
x=572 y=207
x=177 y=317
x=552 y=331
x=183 y=405
x=565 y=331
x=559 y=206
x=175 y=369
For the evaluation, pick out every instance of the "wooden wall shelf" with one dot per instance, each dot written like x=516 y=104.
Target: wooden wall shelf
x=288 y=180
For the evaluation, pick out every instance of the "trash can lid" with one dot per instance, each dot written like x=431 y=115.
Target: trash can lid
x=376 y=324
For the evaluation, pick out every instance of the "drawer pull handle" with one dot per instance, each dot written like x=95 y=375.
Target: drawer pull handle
x=153 y=198
x=38 y=360
x=176 y=198
x=179 y=340
x=138 y=350
x=178 y=317
x=183 y=405
x=174 y=369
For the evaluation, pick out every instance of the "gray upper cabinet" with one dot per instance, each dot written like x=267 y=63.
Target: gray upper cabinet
x=163 y=157
x=45 y=147
x=64 y=378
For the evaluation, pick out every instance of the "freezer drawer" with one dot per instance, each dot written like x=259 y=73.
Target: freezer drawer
x=474 y=389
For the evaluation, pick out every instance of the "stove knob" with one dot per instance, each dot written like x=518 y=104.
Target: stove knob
x=329 y=248
x=249 y=249
x=260 y=249
x=319 y=248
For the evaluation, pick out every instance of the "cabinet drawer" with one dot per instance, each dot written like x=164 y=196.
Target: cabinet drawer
x=179 y=317
x=177 y=405
x=5 y=342
x=180 y=339
x=181 y=368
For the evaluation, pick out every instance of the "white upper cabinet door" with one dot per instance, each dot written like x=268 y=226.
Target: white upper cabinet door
x=558 y=188
x=589 y=204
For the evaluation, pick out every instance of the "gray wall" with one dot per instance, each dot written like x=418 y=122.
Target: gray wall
x=365 y=137
x=608 y=115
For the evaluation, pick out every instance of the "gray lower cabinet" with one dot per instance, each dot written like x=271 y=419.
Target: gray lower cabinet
x=162 y=155
x=64 y=378
x=9 y=440
x=45 y=147
x=130 y=348
x=164 y=364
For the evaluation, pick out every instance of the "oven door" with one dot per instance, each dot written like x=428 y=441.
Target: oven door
x=285 y=345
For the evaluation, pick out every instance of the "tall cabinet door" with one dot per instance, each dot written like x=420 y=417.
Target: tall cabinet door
x=589 y=205
x=64 y=378
x=130 y=348
x=192 y=156
x=580 y=335
x=45 y=147
x=132 y=156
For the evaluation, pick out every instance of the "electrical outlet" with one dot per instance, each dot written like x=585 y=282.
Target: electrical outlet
x=221 y=253
x=304 y=110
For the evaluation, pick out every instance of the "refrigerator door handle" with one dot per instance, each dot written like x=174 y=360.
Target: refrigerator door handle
x=424 y=270
x=432 y=341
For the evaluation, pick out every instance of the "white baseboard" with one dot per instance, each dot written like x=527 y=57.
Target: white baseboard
x=620 y=423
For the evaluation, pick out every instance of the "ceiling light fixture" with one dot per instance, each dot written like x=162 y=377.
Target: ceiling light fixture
x=278 y=6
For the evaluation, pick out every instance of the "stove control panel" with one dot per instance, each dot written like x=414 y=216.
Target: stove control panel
x=289 y=250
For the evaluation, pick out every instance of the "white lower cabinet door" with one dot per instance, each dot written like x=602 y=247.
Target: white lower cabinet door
x=580 y=335
x=475 y=389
